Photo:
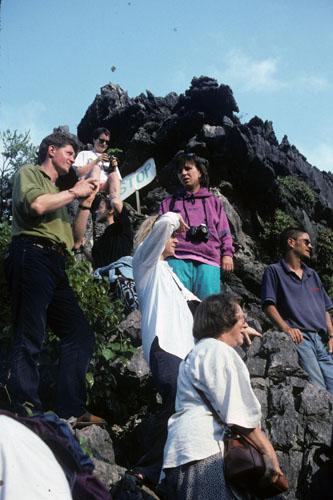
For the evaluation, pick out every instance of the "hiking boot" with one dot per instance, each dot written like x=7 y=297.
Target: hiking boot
x=88 y=419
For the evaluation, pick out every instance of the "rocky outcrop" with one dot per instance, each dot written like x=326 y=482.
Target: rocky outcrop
x=203 y=120
x=297 y=416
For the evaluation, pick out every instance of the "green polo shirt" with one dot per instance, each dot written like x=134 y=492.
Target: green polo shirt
x=29 y=183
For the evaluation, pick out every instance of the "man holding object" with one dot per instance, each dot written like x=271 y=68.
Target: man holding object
x=40 y=292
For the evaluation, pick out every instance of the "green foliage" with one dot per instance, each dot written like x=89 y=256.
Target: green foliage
x=16 y=150
x=93 y=296
x=5 y=303
x=104 y=317
x=299 y=189
x=115 y=151
x=325 y=257
x=84 y=445
x=272 y=230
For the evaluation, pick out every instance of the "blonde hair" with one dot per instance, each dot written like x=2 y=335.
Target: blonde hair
x=144 y=229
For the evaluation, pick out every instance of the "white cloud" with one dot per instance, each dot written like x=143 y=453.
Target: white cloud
x=263 y=75
x=31 y=116
x=252 y=74
x=320 y=156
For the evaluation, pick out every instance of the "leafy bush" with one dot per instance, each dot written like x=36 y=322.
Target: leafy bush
x=5 y=303
x=104 y=317
x=299 y=189
x=16 y=150
x=272 y=230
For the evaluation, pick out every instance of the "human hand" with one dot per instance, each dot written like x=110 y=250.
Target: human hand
x=227 y=263
x=113 y=162
x=88 y=201
x=272 y=466
x=103 y=157
x=248 y=332
x=182 y=225
x=85 y=187
x=330 y=345
x=295 y=334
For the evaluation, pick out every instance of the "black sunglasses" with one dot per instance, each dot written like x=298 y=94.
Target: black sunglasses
x=307 y=242
x=103 y=141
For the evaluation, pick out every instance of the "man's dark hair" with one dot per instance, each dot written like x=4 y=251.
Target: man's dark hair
x=215 y=315
x=58 y=140
x=289 y=232
x=99 y=131
x=201 y=164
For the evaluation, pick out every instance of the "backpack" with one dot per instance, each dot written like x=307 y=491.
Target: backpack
x=126 y=292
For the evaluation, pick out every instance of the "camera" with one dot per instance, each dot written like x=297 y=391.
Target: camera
x=111 y=168
x=198 y=234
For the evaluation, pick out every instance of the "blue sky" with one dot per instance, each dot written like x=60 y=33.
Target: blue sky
x=275 y=54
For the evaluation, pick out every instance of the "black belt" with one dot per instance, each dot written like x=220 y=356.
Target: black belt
x=44 y=243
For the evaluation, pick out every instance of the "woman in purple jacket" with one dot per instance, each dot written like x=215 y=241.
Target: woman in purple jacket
x=207 y=245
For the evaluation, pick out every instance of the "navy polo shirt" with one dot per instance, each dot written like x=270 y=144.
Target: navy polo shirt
x=302 y=303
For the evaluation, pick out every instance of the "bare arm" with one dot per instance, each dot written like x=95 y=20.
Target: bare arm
x=81 y=219
x=47 y=203
x=114 y=188
x=258 y=437
x=276 y=317
x=329 y=327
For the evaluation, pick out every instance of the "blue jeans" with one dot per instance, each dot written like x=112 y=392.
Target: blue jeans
x=41 y=297
x=316 y=361
x=201 y=279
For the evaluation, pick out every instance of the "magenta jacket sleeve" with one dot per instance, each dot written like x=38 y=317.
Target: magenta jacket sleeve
x=227 y=247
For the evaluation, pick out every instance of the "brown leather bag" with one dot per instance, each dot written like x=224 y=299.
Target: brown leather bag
x=244 y=466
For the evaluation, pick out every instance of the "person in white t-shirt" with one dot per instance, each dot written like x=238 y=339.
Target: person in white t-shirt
x=28 y=468
x=96 y=163
x=166 y=325
x=193 y=454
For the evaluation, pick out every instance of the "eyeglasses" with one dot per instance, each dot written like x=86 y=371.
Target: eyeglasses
x=307 y=242
x=103 y=141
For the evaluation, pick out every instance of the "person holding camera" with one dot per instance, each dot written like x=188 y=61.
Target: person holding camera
x=207 y=245
x=98 y=163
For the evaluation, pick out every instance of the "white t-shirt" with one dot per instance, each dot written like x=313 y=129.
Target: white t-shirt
x=193 y=432
x=28 y=468
x=86 y=157
x=162 y=297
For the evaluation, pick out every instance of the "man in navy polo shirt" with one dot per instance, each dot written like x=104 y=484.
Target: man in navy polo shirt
x=294 y=298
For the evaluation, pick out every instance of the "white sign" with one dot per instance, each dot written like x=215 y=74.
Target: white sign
x=139 y=179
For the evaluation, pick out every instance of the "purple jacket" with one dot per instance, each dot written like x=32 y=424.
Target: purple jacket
x=198 y=208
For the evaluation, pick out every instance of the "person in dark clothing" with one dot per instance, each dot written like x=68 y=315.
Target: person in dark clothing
x=294 y=298
x=117 y=239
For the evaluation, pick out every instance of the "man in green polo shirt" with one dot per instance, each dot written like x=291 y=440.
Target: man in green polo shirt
x=40 y=292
